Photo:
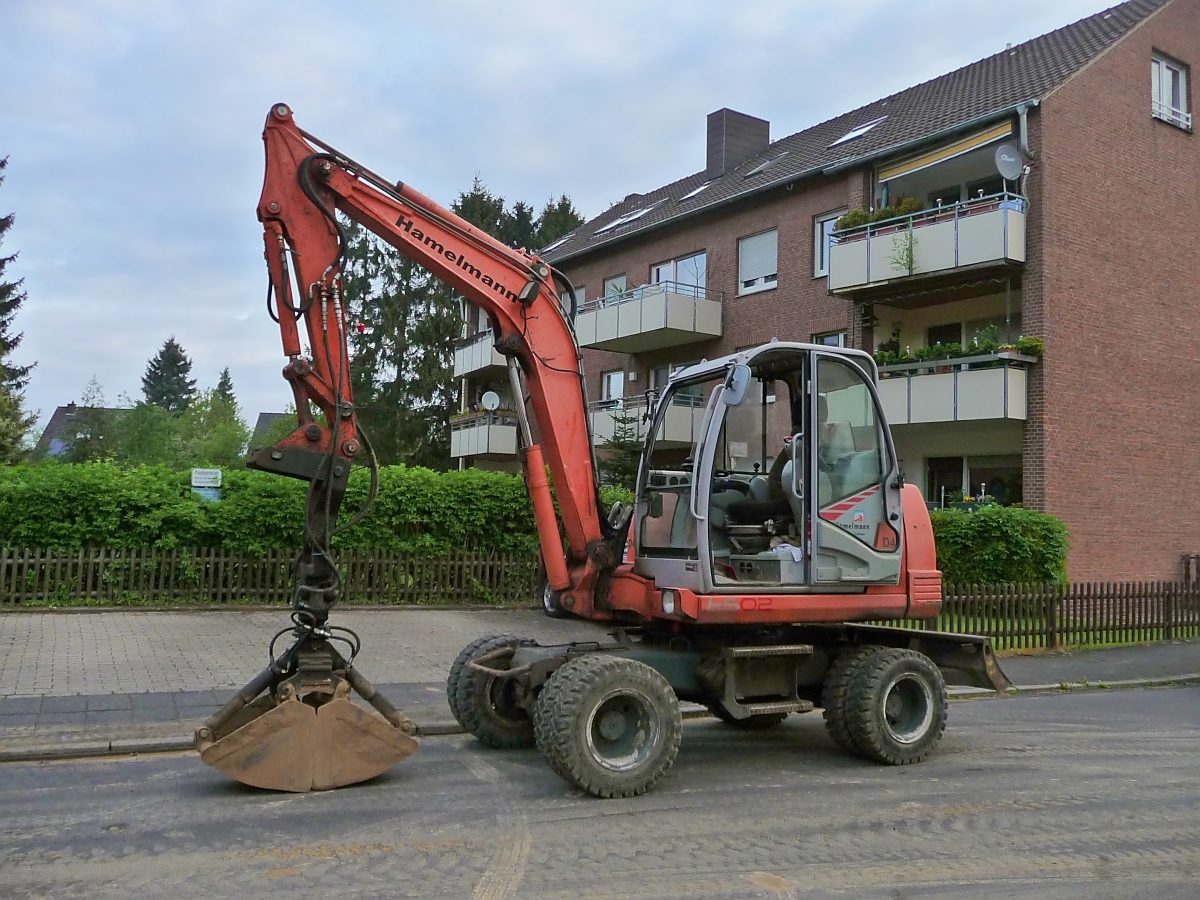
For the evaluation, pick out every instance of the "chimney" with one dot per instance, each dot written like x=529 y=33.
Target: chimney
x=71 y=408
x=733 y=138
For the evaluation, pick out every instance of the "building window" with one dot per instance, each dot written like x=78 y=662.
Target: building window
x=758 y=262
x=612 y=386
x=822 y=238
x=1168 y=92
x=830 y=339
x=688 y=274
x=950 y=333
x=614 y=286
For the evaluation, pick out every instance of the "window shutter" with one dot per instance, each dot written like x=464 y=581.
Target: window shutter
x=758 y=259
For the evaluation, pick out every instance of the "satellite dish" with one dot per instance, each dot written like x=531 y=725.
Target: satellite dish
x=490 y=401
x=1008 y=162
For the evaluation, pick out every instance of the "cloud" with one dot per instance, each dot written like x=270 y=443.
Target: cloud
x=135 y=161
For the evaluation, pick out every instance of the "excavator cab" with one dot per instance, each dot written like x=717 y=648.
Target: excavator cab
x=771 y=470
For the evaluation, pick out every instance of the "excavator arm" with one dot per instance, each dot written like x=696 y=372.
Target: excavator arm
x=293 y=727
x=306 y=181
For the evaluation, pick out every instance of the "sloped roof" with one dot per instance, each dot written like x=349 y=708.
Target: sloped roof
x=62 y=429
x=990 y=88
x=262 y=427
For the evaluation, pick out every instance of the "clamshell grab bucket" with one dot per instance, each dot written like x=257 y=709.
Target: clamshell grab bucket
x=304 y=736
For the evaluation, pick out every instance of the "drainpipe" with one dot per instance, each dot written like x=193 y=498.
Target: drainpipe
x=1022 y=115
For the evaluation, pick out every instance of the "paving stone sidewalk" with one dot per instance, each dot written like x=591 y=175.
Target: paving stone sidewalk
x=69 y=679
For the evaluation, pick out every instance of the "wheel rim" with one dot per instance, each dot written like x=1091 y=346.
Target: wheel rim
x=907 y=708
x=547 y=598
x=623 y=730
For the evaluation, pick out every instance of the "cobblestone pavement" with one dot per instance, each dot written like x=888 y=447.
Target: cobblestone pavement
x=1052 y=797
x=63 y=654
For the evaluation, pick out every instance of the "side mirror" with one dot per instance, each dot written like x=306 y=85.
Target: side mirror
x=736 y=383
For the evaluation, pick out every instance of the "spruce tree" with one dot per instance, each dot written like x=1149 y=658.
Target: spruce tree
x=166 y=381
x=557 y=218
x=12 y=376
x=224 y=392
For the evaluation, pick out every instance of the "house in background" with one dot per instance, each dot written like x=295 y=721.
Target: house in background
x=1088 y=245
x=70 y=424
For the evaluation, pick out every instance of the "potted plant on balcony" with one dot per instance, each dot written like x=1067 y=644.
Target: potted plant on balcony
x=1031 y=346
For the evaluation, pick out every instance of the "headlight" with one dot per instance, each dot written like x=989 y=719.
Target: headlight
x=668 y=602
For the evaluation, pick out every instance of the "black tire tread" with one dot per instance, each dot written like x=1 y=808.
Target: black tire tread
x=471 y=686
x=468 y=653
x=862 y=715
x=562 y=707
x=835 y=695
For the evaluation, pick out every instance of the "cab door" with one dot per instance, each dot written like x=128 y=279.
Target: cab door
x=855 y=497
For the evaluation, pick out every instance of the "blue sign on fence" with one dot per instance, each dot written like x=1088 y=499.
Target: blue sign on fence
x=207 y=494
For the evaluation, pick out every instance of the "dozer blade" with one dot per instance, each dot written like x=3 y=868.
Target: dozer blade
x=294 y=747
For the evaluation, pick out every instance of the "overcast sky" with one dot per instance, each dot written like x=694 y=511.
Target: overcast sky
x=132 y=130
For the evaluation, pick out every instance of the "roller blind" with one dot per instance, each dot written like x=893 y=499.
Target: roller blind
x=758 y=261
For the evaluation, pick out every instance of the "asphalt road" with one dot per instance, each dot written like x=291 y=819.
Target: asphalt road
x=1056 y=796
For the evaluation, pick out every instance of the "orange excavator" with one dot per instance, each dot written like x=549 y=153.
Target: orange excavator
x=770 y=527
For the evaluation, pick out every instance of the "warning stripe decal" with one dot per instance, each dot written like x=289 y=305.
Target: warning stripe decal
x=834 y=512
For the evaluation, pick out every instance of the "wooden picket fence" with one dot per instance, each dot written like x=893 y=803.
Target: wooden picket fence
x=1014 y=616
x=1062 y=615
x=216 y=575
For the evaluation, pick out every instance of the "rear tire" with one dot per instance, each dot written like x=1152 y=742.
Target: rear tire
x=611 y=726
x=897 y=709
x=754 y=723
x=486 y=706
x=835 y=695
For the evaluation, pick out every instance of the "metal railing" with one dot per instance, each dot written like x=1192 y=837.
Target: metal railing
x=1169 y=113
x=955 y=363
x=698 y=292
x=945 y=213
x=474 y=420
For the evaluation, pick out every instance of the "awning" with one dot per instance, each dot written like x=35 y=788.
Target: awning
x=933 y=157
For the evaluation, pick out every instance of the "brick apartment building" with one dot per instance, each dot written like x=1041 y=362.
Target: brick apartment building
x=1089 y=247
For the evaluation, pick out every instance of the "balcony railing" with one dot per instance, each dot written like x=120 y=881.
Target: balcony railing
x=968 y=388
x=978 y=233
x=477 y=354
x=484 y=434
x=650 y=317
x=679 y=427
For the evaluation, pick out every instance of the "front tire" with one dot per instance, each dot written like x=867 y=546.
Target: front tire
x=611 y=726
x=487 y=706
x=897 y=709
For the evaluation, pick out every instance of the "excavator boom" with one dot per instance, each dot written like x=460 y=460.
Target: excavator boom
x=293 y=727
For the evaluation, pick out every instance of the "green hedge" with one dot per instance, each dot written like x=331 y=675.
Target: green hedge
x=1000 y=545
x=418 y=510
x=101 y=504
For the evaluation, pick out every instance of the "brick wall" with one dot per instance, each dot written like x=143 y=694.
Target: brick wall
x=797 y=308
x=1119 y=193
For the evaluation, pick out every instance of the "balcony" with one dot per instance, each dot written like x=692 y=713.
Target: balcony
x=476 y=355
x=678 y=430
x=928 y=247
x=487 y=435
x=964 y=389
x=650 y=317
